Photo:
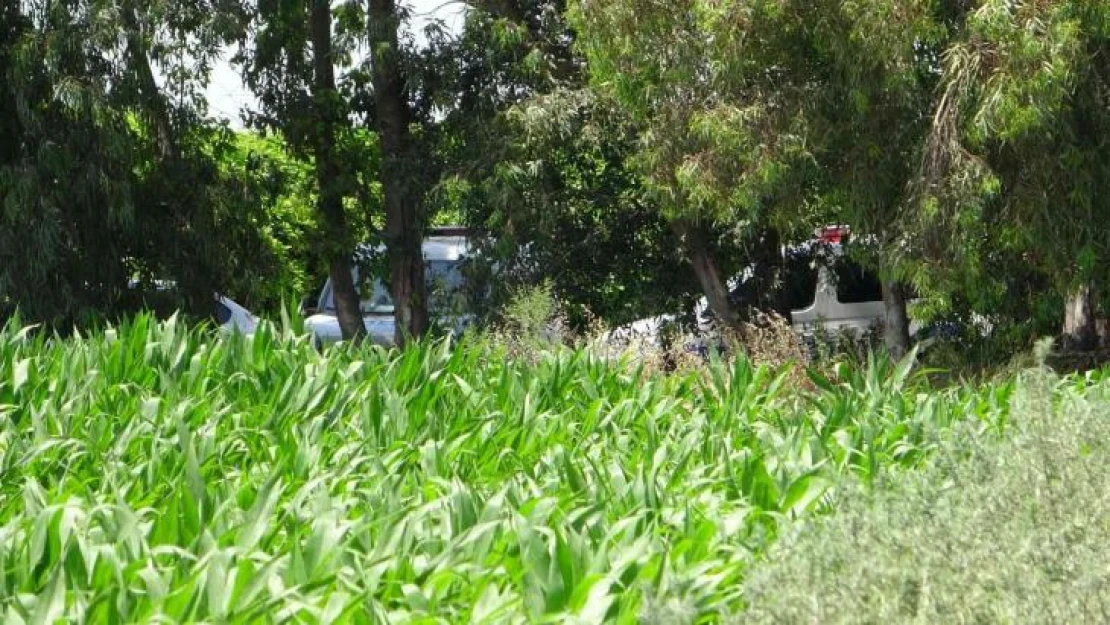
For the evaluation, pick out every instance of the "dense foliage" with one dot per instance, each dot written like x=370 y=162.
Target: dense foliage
x=533 y=160
x=632 y=153
x=1014 y=173
x=167 y=472
x=614 y=158
x=107 y=179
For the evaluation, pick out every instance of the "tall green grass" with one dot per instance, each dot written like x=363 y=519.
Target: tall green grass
x=156 y=473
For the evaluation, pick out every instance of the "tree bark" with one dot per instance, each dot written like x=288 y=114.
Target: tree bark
x=770 y=265
x=896 y=322
x=1080 y=328
x=708 y=273
x=404 y=221
x=330 y=199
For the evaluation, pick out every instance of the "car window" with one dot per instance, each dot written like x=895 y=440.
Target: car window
x=222 y=313
x=444 y=280
x=446 y=286
x=856 y=285
x=379 y=301
x=800 y=278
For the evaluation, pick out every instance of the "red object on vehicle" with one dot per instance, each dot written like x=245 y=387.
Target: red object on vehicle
x=834 y=235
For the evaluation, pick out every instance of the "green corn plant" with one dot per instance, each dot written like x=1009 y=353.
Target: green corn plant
x=160 y=472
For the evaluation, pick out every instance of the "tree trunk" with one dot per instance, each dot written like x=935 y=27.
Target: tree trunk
x=330 y=199
x=770 y=267
x=708 y=274
x=1080 y=329
x=896 y=322
x=404 y=223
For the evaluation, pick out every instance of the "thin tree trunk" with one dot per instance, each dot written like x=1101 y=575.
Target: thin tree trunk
x=708 y=273
x=896 y=323
x=404 y=223
x=330 y=199
x=770 y=264
x=1080 y=329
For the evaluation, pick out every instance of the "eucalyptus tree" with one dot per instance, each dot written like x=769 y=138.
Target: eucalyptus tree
x=289 y=52
x=324 y=72
x=165 y=51
x=109 y=169
x=65 y=165
x=720 y=111
x=405 y=215
x=877 y=66
x=415 y=105
x=1018 y=157
x=535 y=159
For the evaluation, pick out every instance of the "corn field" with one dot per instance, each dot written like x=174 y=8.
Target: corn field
x=157 y=473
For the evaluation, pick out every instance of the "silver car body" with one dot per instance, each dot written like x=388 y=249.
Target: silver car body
x=230 y=316
x=234 y=318
x=828 y=315
x=442 y=256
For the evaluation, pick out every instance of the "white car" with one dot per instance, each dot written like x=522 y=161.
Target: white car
x=846 y=298
x=231 y=317
x=227 y=313
x=444 y=253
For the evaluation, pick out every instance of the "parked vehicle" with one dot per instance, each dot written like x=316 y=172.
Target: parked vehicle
x=231 y=317
x=828 y=294
x=445 y=252
x=843 y=297
x=228 y=315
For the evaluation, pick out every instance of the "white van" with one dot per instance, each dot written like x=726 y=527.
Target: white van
x=826 y=292
x=836 y=295
x=445 y=251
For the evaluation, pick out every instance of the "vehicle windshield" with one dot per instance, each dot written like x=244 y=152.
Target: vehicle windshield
x=444 y=281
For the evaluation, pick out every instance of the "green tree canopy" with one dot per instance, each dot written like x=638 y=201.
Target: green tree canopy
x=1017 y=164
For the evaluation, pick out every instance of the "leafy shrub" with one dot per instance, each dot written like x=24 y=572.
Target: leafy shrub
x=668 y=345
x=770 y=340
x=1011 y=531
x=529 y=323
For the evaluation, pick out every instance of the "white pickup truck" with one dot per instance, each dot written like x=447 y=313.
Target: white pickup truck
x=445 y=250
